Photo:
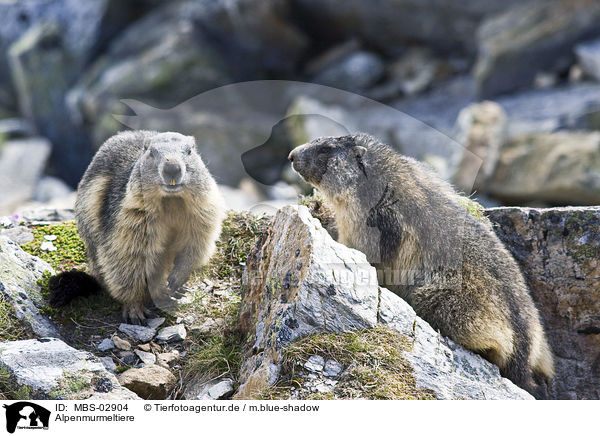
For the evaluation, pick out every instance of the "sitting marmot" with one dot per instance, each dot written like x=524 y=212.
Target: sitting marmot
x=149 y=212
x=449 y=265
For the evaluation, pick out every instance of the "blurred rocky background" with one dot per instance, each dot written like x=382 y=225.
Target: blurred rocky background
x=501 y=97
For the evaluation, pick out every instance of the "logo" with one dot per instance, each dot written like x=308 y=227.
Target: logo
x=26 y=415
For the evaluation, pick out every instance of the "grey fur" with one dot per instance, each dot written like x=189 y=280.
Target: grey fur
x=449 y=265
x=149 y=212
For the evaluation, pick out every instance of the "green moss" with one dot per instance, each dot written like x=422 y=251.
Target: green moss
x=376 y=368
x=69 y=386
x=70 y=249
x=9 y=390
x=11 y=328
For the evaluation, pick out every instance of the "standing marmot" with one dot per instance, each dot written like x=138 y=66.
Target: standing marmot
x=447 y=264
x=149 y=212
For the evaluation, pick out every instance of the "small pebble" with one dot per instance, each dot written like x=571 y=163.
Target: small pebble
x=106 y=345
x=121 y=344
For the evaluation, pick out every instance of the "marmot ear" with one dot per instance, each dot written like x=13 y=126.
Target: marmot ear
x=359 y=151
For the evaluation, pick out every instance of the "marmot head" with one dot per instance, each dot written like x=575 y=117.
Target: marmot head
x=171 y=162
x=333 y=164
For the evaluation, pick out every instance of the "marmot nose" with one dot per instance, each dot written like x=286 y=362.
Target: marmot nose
x=172 y=171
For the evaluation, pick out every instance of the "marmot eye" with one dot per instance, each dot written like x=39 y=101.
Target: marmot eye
x=189 y=151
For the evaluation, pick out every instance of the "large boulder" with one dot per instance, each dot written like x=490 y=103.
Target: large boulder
x=558 y=251
x=22 y=162
x=550 y=168
x=531 y=37
x=299 y=281
x=47 y=368
x=19 y=276
x=588 y=56
x=82 y=24
x=390 y=25
x=180 y=50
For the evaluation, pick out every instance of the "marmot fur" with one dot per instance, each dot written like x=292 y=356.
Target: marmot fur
x=449 y=265
x=149 y=212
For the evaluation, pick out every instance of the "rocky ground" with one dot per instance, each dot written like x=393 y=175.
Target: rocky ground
x=285 y=312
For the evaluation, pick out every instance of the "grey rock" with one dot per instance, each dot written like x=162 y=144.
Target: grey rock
x=151 y=382
x=332 y=368
x=172 y=333
x=356 y=72
x=569 y=107
x=19 y=273
x=440 y=366
x=315 y=363
x=528 y=38
x=146 y=358
x=82 y=26
x=21 y=164
x=139 y=332
x=46 y=215
x=214 y=390
x=155 y=323
x=15 y=128
x=552 y=168
x=19 y=234
x=588 y=56
x=106 y=345
x=301 y=282
x=128 y=358
x=181 y=49
x=558 y=250
x=389 y=25
x=50 y=188
x=48 y=367
x=109 y=364
x=41 y=97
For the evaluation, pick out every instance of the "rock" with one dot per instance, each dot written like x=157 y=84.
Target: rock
x=214 y=390
x=50 y=188
x=19 y=234
x=555 y=168
x=332 y=368
x=15 y=128
x=172 y=333
x=528 y=38
x=558 y=251
x=181 y=49
x=145 y=347
x=165 y=359
x=19 y=273
x=109 y=364
x=128 y=358
x=41 y=97
x=146 y=358
x=155 y=323
x=207 y=326
x=390 y=25
x=139 y=332
x=121 y=344
x=300 y=282
x=46 y=215
x=315 y=363
x=481 y=129
x=410 y=74
x=151 y=382
x=21 y=164
x=569 y=107
x=83 y=26
x=51 y=369
x=355 y=72
x=588 y=56
x=108 y=344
